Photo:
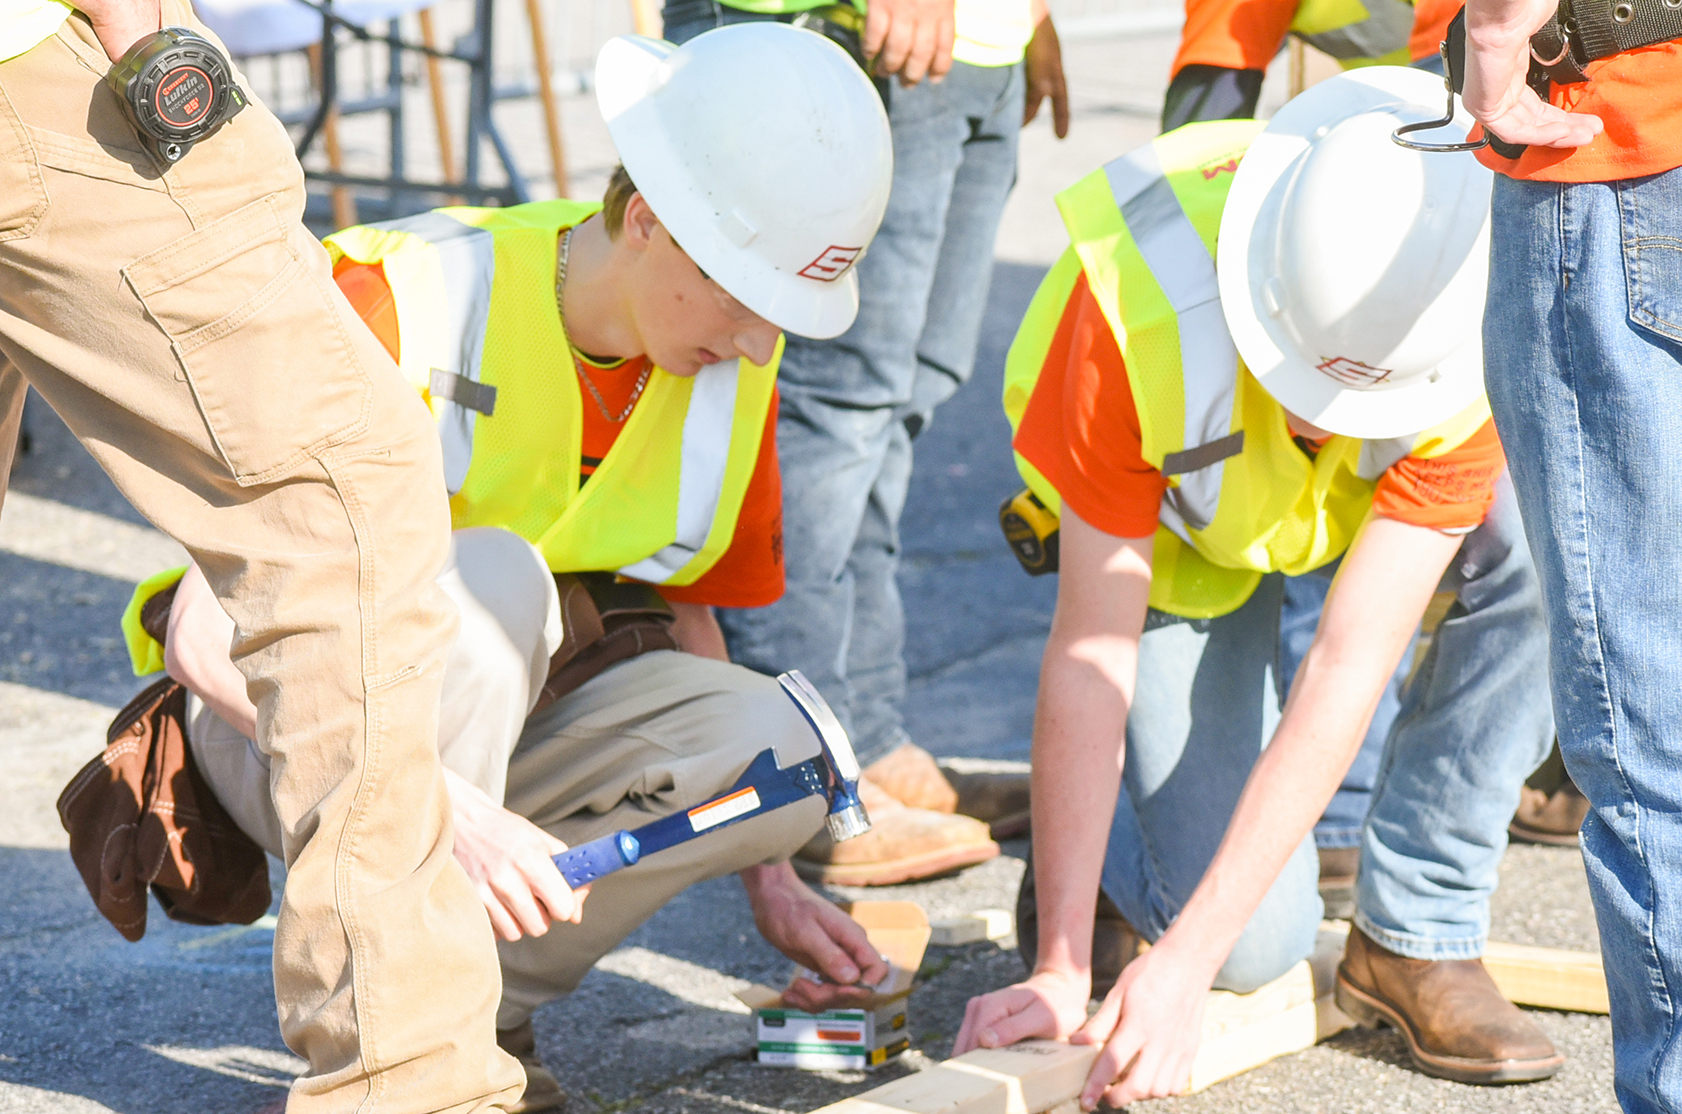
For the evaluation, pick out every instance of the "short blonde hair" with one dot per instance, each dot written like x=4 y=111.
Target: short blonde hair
x=618 y=194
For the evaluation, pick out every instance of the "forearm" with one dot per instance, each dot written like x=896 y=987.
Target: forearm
x=1374 y=607
x=196 y=653
x=697 y=631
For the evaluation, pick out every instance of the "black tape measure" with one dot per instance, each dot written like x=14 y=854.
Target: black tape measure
x=177 y=87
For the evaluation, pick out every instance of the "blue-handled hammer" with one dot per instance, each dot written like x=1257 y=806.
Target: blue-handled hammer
x=763 y=786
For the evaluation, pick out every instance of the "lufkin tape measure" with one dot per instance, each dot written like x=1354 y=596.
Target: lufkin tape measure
x=177 y=88
x=1031 y=529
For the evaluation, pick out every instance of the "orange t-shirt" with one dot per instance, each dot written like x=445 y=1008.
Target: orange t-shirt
x=1638 y=95
x=1246 y=34
x=750 y=572
x=1081 y=430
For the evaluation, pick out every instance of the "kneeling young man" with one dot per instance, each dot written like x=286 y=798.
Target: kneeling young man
x=1213 y=420
x=603 y=379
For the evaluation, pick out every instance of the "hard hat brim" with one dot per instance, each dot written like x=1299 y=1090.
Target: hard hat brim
x=1244 y=258
x=628 y=71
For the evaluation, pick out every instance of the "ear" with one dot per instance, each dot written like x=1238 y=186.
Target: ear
x=640 y=222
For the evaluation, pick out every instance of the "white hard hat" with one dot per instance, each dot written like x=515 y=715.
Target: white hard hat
x=765 y=152
x=1352 y=271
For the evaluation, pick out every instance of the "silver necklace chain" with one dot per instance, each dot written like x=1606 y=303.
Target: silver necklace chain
x=601 y=403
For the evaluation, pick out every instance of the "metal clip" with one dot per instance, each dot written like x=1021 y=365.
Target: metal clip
x=1427 y=125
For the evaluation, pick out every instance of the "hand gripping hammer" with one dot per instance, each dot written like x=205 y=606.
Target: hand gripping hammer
x=763 y=786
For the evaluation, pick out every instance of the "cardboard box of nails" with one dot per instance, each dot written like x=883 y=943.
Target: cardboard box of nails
x=866 y=1035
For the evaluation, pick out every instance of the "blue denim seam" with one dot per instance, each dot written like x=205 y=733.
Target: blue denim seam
x=1628 y=237
x=1423 y=947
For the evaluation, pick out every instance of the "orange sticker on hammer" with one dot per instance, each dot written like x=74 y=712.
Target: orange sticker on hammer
x=725 y=809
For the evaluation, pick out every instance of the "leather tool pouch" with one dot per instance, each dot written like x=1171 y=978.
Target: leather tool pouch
x=141 y=815
x=605 y=621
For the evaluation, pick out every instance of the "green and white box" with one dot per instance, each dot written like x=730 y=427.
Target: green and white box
x=833 y=1039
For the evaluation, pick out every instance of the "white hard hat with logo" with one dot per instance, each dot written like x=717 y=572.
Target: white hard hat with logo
x=1352 y=271
x=764 y=150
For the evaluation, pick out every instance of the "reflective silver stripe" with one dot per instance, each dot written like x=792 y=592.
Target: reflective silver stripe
x=468 y=258
x=706 y=456
x=1387 y=29
x=1182 y=266
x=1377 y=456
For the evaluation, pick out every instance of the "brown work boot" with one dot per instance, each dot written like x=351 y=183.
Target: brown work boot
x=903 y=845
x=1455 y=1020
x=1115 y=944
x=1339 y=867
x=994 y=792
x=543 y=1090
x=1550 y=818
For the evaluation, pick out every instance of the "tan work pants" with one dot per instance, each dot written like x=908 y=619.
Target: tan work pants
x=649 y=737
x=185 y=326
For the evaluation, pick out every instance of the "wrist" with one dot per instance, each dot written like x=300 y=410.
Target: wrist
x=766 y=878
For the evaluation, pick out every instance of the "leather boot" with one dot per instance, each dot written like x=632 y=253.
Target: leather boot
x=994 y=792
x=903 y=845
x=1115 y=944
x=1550 y=807
x=1339 y=867
x=543 y=1090
x=1455 y=1020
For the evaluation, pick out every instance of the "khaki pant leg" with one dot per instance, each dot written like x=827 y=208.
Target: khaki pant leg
x=510 y=625
x=186 y=327
x=13 y=388
x=652 y=736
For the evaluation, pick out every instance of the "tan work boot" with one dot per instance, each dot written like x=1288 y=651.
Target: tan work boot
x=1115 y=942
x=1455 y=1020
x=903 y=845
x=1339 y=867
x=994 y=792
x=543 y=1090
x=1550 y=807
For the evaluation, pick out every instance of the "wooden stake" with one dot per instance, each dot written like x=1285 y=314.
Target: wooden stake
x=645 y=17
x=1299 y=67
x=344 y=201
x=546 y=93
x=440 y=106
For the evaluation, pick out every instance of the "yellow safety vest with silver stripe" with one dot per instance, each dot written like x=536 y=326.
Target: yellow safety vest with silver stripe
x=1243 y=500
x=1358 y=32
x=478 y=334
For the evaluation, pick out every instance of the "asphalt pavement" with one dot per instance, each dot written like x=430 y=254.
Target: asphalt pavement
x=184 y=1020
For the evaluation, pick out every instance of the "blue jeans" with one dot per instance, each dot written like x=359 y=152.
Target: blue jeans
x=1473 y=723
x=1583 y=356
x=850 y=406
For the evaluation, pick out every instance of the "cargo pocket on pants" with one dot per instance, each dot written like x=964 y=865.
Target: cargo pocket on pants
x=23 y=196
x=261 y=343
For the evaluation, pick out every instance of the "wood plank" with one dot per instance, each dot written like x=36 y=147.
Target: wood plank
x=972 y=928
x=1548 y=977
x=1026 y=1078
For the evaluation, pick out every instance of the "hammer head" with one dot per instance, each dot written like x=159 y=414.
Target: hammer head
x=847 y=817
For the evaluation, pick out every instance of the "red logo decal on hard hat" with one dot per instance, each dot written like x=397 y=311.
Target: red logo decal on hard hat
x=832 y=264
x=1353 y=373
x=1230 y=166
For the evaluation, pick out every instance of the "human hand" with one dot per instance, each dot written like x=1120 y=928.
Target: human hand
x=1049 y=1004
x=816 y=934
x=1043 y=63
x=510 y=862
x=911 y=38
x=1497 y=61
x=121 y=23
x=1150 y=1026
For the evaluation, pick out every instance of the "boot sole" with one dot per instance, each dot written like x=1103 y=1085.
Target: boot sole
x=912 y=869
x=1371 y=1012
x=1524 y=833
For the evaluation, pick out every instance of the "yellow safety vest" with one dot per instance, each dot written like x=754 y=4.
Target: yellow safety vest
x=1243 y=499
x=1358 y=32
x=479 y=336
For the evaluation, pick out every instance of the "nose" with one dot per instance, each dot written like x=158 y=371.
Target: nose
x=757 y=342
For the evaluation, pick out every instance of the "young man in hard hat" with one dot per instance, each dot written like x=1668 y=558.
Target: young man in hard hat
x=1212 y=420
x=604 y=383
x=953 y=74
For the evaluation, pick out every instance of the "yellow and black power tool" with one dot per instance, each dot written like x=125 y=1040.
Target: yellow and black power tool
x=1031 y=530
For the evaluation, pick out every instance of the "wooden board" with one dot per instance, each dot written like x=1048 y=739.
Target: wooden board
x=972 y=928
x=1548 y=977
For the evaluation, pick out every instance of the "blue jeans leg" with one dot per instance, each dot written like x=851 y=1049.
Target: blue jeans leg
x=1583 y=357
x=1305 y=598
x=1204 y=707
x=1474 y=724
x=842 y=431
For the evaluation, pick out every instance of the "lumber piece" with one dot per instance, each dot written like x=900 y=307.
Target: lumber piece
x=972 y=928
x=1027 y=1078
x=1552 y=978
